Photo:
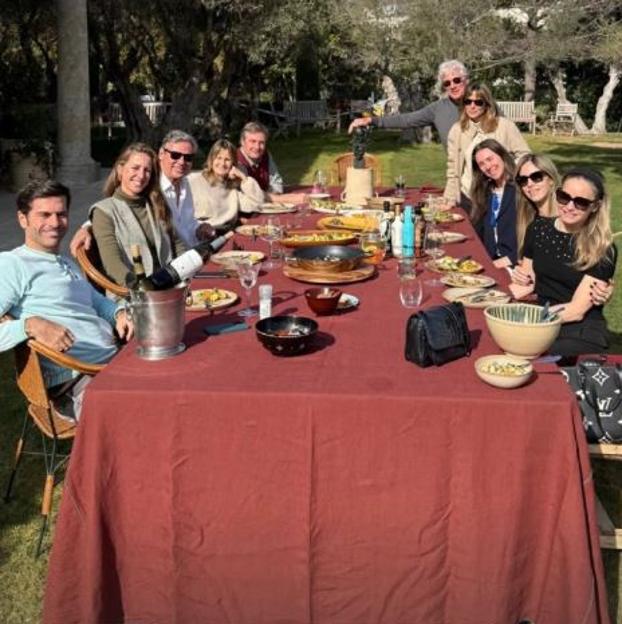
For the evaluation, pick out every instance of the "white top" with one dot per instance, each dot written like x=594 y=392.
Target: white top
x=218 y=205
x=182 y=209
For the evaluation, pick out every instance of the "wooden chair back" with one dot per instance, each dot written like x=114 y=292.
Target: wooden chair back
x=345 y=160
x=90 y=262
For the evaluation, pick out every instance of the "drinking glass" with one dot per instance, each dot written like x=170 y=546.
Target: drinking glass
x=247 y=273
x=411 y=291
x=406 y=266
x=374 y=246
x=321 y=180
x=432 y=245
x=433 y=205
x=271 y=233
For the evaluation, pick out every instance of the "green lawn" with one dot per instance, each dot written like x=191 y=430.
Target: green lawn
x=21 y=577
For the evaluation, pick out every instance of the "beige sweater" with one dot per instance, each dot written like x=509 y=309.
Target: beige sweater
x=460 y=145
x=220 y=206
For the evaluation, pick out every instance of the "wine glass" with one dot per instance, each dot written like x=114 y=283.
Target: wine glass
x=432 y=245
x=411 y=291
x=271 y=232
x=247 y=273
x=400 y=185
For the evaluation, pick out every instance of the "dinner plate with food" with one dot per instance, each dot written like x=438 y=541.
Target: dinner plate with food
x=275 y=208
x=310 y=238
x=474 y=297
x=449 y=264
x=460 y=280
x=330 y=206
x=445 y=237
x=254 y=230
x=318 y=195
x=230 y=258
x=210 y=299
x=443 y=216
x=355 y=223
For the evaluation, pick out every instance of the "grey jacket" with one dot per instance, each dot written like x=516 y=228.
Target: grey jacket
x=442 y=114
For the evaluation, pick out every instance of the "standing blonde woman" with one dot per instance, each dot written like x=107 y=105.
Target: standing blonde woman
x=134 y=212
x=479 y=120
x=565 y=256
x=221 y=192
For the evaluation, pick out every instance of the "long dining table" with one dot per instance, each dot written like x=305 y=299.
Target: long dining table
x=227 y=485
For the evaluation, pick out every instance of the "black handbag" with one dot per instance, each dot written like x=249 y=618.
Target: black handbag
x=598 y=388
x=437 y=335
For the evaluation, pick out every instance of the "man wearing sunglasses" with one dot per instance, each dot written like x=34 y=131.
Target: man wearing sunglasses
x=453 y=79
x=175 y=156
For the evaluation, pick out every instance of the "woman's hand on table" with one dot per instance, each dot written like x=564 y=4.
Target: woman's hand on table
x=522 y=276
x=502 y=263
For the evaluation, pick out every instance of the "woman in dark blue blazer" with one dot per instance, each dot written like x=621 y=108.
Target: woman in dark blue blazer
x=493 y=195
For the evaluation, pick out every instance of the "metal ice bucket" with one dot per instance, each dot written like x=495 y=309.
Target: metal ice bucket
x=159 y=318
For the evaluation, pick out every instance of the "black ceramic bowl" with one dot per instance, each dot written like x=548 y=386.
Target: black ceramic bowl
x=286 y=335
x=331 y=258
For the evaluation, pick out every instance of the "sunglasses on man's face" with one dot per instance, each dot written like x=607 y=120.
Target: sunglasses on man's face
x=479 y=103
x=582 y=203
x=177 y=155
x=535 y=177
x=456 y=80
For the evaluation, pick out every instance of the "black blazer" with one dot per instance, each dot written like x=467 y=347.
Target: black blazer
x=506 y=244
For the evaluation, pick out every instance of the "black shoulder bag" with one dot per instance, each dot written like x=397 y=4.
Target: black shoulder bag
x=437 y=335
x=598 y=388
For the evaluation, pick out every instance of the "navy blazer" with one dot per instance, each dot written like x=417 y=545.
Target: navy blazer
x=506 y=244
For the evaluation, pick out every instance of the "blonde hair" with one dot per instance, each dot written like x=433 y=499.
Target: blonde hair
x=208 y=165
x=592 y=242
x=490 y=118
x=152 y=191
x=526 y=210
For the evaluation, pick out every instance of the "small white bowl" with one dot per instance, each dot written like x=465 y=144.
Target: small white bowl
x=500 y=380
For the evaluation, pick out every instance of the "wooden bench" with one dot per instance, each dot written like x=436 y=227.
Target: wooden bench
x=307 y=112
x=520 y=112
x=564 y=117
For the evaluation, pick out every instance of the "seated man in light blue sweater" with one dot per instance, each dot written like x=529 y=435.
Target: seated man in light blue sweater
x=47 y=296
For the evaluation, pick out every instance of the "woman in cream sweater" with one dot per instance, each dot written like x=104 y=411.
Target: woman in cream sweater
x=220 y=191
x=479 y=120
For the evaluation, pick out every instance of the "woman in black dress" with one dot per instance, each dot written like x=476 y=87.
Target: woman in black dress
x=565 y=256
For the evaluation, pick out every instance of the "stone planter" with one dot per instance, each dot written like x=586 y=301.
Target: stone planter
x=359 y=186
x=24 y=169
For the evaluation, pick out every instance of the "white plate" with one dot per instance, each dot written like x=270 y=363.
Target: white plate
x=231 y=257
x=318 y=195
x=347 y=302
x=274 y=208
x=467 y=280
x=447 y=237
x=199 y=304
x=475 y=297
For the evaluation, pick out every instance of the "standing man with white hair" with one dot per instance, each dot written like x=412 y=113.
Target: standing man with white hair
x=453 y=79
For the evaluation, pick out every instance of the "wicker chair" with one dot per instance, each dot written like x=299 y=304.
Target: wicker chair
x=610 y=535
x=343 y=161
x=42 y=413
x=90 y=262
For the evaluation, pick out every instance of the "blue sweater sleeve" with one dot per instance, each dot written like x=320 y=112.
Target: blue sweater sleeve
x=11 y=288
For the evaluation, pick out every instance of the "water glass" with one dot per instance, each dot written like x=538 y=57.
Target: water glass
x=271 y=232
x=400 y=186
x=406 y=266
x=374 y=246
x=248 y=273
x=433 y=243
x=411 y=291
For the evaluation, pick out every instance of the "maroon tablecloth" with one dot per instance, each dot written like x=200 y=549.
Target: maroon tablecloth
x=345 y=486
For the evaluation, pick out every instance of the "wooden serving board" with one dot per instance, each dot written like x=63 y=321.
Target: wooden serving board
x=325 y=277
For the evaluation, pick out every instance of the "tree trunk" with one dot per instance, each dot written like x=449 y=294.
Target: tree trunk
x=391 y=95
x=529 y=67
x=600 y=118
x=559 y=82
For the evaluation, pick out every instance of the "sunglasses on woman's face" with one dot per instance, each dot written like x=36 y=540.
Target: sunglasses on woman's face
x=582 y=203
x=535 y=177
x=479 y=103
x=456 y=80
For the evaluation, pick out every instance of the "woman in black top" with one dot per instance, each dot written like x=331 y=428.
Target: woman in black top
x=493 y=197
x=565 y=256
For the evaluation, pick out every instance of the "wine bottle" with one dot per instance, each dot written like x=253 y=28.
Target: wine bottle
x=186 y=265
x=138 y=279
x=408 y=233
